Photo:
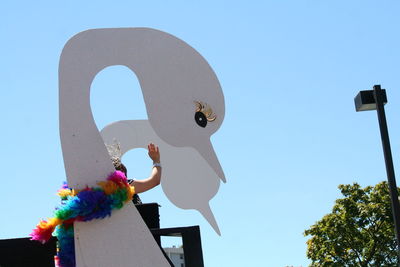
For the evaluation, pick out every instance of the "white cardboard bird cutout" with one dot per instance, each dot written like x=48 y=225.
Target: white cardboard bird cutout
x=172 y=76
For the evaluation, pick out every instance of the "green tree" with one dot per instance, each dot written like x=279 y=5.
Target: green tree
x=358 y=232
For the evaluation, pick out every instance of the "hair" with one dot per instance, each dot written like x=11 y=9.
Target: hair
x=121 y=167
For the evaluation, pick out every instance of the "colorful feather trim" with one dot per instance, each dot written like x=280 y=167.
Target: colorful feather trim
x=83 y=205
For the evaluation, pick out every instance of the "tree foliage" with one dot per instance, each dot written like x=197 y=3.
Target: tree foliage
x=358 y=232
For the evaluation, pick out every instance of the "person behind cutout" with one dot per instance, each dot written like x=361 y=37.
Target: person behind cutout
x=140 y=185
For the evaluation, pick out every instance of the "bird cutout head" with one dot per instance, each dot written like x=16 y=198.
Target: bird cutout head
x=173 y=76
x=188 y=180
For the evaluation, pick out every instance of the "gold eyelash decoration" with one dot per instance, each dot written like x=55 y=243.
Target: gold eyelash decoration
x=206 y=110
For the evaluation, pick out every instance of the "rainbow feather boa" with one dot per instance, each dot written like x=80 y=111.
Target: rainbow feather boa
x=83 y=205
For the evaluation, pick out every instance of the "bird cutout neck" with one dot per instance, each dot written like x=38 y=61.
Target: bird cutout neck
x=82 y=205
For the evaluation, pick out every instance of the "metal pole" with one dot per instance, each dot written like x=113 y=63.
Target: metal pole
x=388 y=161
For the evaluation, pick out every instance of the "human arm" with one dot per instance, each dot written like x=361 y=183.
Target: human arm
x=155 y=176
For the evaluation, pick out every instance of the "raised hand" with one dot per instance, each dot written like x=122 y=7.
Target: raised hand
x=154 y=152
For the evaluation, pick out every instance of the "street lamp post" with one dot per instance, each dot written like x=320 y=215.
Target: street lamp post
x=375 y=99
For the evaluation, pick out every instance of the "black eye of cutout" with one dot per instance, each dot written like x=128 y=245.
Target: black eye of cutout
x=200 y=119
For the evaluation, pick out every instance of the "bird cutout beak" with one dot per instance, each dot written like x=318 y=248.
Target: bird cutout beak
x=206 y=150
x=209 y=216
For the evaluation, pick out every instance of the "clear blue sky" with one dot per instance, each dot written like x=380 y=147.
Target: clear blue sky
x=289 y=71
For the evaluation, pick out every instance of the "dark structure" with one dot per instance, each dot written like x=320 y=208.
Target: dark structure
x=371 y=100
x=191 y=243
x=22 y=252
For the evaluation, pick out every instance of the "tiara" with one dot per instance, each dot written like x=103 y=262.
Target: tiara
x=114 y=150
